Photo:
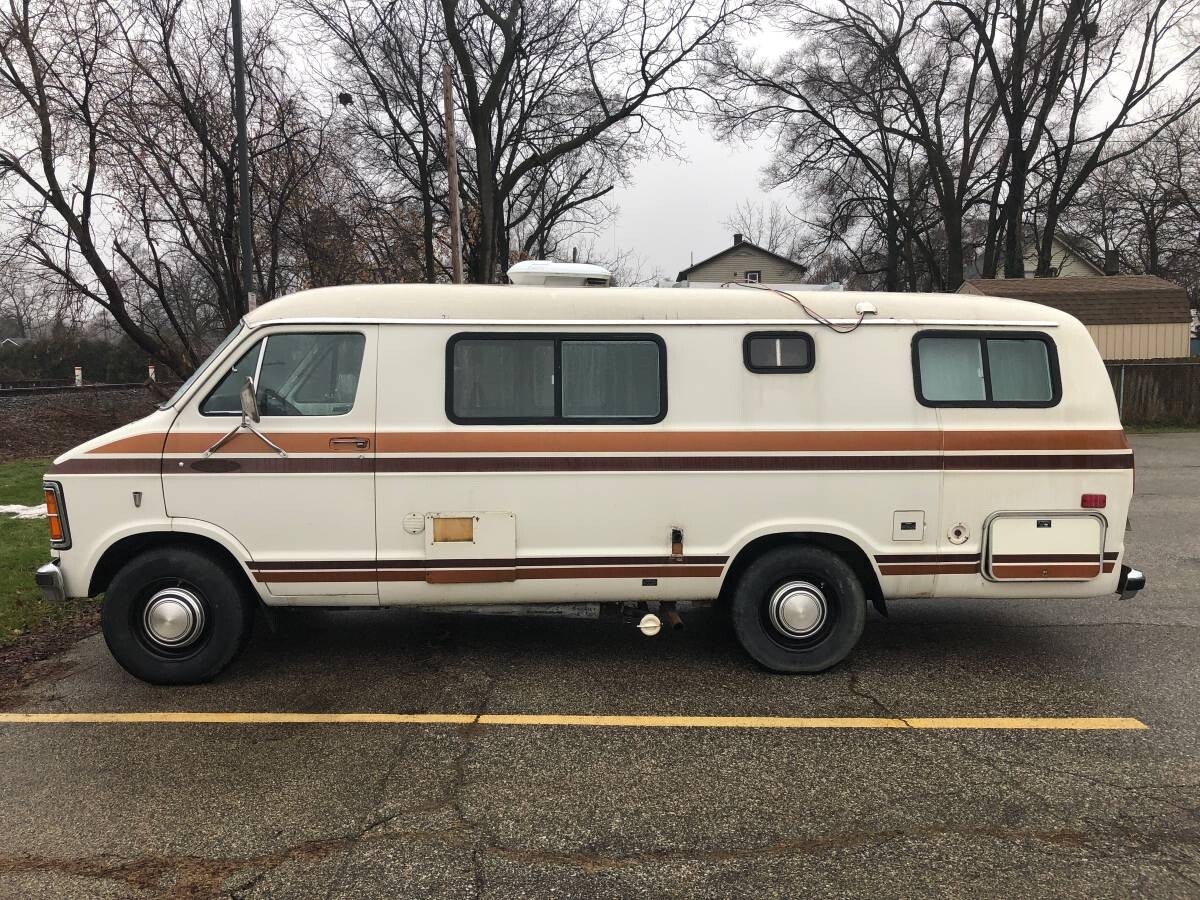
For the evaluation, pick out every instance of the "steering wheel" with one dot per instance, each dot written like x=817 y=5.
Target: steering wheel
x=275 y=404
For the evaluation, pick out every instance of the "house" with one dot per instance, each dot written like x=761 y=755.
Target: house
x=1067 y=259
x=1129 y=316
x=744 y=261
x=12 y=342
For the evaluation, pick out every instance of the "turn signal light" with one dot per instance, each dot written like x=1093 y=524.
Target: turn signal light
x=56 y=516
x=1093 y=501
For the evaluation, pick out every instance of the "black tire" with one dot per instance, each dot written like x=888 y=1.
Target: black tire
x=828 y=623
x=214 y=638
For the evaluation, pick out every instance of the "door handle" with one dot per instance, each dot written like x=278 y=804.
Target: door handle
x=358 y=443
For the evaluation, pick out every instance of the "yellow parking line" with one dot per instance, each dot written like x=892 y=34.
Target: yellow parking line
x=1070 y=723
x=1057 y=724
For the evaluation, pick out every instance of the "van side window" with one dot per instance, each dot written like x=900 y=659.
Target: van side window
x=955 y=368
x=300 y=374
x=577 y=379
x=768 y=352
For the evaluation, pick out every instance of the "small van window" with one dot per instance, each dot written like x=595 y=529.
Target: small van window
x=299 y=374
x=988 y=369
x=576 y=379
x=768 y=352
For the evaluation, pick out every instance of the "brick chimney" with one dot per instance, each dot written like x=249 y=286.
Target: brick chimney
x=737 y=238
x=1112 y=262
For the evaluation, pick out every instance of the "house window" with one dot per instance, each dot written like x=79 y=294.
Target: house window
x=754 y=276
x=953 y=368
x=566 y=379
x=768 y=352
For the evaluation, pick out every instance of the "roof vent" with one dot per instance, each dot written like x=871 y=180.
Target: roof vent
x=548 y=273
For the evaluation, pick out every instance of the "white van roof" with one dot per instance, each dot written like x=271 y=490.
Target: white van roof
x=506 y=303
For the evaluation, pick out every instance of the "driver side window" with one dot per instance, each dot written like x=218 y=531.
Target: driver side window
x=299 y=374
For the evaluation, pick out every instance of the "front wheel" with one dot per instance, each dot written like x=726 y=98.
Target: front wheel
x=799 y=609
x=176 y=616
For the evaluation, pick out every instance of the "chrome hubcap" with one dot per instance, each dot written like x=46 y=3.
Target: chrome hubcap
x=174 y=618
x=798 y=609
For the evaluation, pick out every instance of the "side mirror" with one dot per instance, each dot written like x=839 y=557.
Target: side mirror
x=249 y=401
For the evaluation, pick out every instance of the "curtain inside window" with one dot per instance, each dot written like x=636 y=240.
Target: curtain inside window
x=1020 y=370
x=610 y=379
x=951 y=369
x=496 y=379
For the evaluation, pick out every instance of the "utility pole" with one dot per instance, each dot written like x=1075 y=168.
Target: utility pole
x=245 y=208
x=456 y=262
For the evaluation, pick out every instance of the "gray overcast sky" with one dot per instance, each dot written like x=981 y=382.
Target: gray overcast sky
x=674 y=208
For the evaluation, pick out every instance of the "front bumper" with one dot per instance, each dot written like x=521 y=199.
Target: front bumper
x=1130 y=582
x=49 y=579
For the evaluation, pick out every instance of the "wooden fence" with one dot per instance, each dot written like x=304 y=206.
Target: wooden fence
x=1157 y=391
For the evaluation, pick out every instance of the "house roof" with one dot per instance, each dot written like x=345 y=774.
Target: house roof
x=741 y=245
x=1095 y=300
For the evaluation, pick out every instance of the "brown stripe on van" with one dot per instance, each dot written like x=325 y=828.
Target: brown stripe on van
x=926 y=557
x=1047 y=461
x=930 y=569
x=84 y=465
x=1025 y=572
x=657 y=463
x=557 y=441
x=268 y=465
x=139 y=443
x=452 y=576
x=1045 y=558
x=258 y=465
x=743 y=441
x=291 y=441
x=531 y=561
x=1035 y=440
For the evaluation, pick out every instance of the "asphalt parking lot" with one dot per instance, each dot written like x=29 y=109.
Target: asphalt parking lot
x=472 y=809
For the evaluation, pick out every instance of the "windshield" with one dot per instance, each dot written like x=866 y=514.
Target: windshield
x=220 y=348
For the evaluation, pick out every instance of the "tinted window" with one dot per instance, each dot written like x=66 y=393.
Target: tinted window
x=958 y=369
x=301 y=374
x=610 y=379
x=540 y=378
x=778 y=351
x=496 y=379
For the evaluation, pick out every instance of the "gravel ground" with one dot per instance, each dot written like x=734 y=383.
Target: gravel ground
x=47 y=424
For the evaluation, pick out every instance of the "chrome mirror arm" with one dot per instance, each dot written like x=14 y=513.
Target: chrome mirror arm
x=248 y=426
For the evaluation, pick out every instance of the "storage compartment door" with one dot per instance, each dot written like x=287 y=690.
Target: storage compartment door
x=1044 y=547
x=470 y=547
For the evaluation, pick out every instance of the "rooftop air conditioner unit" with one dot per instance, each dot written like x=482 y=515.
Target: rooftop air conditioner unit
x=548 y=273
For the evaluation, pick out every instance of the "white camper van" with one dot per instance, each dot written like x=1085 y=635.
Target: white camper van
x=793 y=457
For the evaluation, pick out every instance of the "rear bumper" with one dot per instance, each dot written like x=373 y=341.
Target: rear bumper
x=49 y=578
x=1130 y=582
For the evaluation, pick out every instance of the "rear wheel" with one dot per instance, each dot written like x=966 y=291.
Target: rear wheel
x=176 y=616
x=799 y=609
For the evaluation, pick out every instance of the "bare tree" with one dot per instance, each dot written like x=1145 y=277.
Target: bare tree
x=386 y=71
x=121 y=148
x=60 y=96
x=770 y=226
x=542 y=80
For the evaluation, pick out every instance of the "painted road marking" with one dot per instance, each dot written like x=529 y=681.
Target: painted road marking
x=1002 y=723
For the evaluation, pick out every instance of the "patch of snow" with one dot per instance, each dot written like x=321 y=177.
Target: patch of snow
x=17 y=511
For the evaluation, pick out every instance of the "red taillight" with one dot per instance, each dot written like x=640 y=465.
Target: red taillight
x=1093 y=501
